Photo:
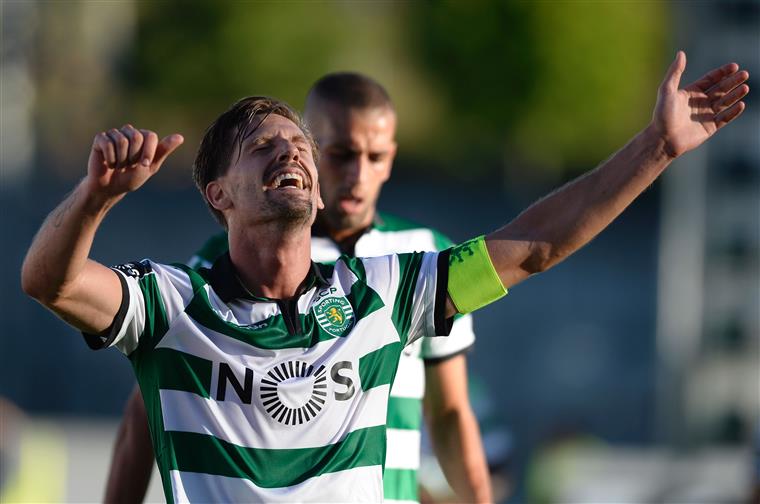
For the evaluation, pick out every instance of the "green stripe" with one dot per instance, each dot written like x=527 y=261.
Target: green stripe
x=276 y=468
x=214 y=247
x=182 y=371
x=404 y=413
x=272 y=333
x=442 y=242
x=379 y=367
x=400 y=484
x=403 y=305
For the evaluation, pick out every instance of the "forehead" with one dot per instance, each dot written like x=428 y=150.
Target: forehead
x=273 y=125
x=352 y=126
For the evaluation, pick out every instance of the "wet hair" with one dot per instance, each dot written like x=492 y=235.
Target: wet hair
x=349 y=90
x=225 y=137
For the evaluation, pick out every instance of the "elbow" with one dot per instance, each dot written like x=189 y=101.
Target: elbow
x=34 y=285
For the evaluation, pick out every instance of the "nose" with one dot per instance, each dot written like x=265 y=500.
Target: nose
x=355 y=170
x=288 y=152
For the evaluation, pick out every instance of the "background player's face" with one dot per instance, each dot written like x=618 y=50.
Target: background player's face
x=274 y=178
x=357 y=150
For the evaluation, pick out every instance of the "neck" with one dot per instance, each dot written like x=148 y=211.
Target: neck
x=271 y=263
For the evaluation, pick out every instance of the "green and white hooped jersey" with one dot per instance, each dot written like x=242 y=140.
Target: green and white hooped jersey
x=250 y=399
x=387 y=236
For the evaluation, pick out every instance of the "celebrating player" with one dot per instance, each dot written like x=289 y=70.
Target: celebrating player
x=267 y=377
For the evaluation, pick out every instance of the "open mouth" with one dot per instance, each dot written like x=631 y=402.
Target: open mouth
x=288 y=178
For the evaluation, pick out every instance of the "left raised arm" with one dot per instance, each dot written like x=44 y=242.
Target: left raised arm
x=562 y=222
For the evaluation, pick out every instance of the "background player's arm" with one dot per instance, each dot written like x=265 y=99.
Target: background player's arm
x=561 y=223
x=454 y=430
x=132 y=462
x=57 y=271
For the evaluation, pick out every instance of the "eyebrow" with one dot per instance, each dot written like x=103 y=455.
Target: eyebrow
x=260 y=139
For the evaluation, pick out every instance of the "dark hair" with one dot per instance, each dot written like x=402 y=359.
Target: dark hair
x=227 y=134
x=349 y=90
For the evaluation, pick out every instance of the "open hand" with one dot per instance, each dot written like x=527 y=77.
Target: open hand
x=121 y=160
x=685 y=118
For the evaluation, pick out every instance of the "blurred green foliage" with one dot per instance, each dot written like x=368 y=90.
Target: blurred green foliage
x=491 y=86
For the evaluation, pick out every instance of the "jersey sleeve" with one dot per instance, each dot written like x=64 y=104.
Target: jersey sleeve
x=152 y=296
x=461 y=339
x=413 y=286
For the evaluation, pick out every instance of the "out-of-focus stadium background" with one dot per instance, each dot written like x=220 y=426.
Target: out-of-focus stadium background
x=630 y=373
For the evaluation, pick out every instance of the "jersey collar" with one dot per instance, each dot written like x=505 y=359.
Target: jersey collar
x=224 y=279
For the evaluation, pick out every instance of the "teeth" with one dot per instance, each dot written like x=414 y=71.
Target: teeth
x=287 y=176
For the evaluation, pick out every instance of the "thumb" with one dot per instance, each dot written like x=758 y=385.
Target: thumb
x=673 y=76
x=165 y=147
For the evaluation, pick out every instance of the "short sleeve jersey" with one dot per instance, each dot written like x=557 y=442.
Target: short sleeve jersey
x=254 y=399
x=388 y=235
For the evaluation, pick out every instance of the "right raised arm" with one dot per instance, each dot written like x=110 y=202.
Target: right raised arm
x=57 y=271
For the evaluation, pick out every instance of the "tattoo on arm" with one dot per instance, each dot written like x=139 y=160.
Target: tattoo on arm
x=61 y=214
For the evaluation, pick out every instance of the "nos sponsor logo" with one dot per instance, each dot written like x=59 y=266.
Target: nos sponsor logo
x=291 y=392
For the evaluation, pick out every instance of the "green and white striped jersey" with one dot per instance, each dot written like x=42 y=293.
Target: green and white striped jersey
x=390 y=235
x=253 y=399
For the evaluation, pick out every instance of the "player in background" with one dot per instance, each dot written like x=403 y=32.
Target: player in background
x=353 y=121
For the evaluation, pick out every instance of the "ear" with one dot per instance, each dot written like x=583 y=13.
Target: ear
x=320 y=203
x=216 y=196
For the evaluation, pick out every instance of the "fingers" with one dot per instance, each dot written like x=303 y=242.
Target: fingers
x=135 y=139
x=167 y=146
x=106 y=148
x=728 y=83
x=120 y=146
x=713 y=77
x=150 y=142
x=128 y=146
x=729 y=114
x=730 y=98
x=673 y=75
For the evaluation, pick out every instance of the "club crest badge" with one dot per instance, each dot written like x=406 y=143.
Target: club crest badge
x=334 y=314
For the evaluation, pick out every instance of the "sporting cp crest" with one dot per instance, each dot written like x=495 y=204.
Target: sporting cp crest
x=334 y=314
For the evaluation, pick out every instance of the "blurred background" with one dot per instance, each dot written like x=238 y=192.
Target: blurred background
x=629 y=373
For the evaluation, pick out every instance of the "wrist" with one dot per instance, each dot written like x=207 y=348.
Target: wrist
x=657 y=143
x=96 y=202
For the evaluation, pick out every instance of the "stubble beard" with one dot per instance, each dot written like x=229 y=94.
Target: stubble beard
x=289 y=214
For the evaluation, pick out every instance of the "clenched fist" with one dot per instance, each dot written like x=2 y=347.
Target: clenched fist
x=121 y=160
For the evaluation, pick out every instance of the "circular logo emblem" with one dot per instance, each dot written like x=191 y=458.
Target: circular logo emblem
x=294 y=392
x=334 y=315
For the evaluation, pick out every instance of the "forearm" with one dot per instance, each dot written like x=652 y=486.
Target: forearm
x=559 y=224
x=54 y=265
x=458 y=447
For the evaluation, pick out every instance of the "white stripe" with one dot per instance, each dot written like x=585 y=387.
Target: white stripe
x=375 y=243
x=403 y=449
x=360 y=484
x=410 y=377
x=233 y=422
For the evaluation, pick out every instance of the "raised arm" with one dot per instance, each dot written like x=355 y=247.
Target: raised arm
x=562 y=222
x=57 y=271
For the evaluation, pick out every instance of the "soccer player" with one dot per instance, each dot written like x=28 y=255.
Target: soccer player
x=353 y=122
x=267 y=377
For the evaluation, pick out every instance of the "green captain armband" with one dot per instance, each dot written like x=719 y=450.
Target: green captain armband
x=473 y=281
